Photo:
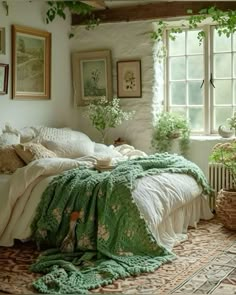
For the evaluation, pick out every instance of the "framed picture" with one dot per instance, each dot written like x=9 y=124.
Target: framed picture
x=129 y=78
x=31 y=63
x=2 y=41
x=92 y=76
x=4 y=70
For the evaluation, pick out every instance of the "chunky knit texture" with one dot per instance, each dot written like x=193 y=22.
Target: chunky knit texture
x=113 y=240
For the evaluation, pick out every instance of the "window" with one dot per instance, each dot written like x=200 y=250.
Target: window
x=201 y=79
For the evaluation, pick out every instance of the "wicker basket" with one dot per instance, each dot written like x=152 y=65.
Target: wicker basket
x=226 y=208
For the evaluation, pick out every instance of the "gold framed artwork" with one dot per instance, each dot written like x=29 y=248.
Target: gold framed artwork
x=2 y=41
x=92 y=76
x=31 y=63
x=129 y=82
x=4 y=70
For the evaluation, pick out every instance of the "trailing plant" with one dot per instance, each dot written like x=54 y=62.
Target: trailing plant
x=225 y=23
x=57 y=8
x=232 y=122
x=225 y=154
x=168 y=127
x=105 y=115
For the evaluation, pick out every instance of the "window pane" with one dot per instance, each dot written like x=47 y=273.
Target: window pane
x=222 y=92
x=221 y=43
x=195 y=93
x=178 y=93
x=234 y=66
x=234 y=42
x=221 y=114
x=196 y=118
x=195 y=67
x=193 y=45
x=222 y=65
x=177 y=68
x=177 y=47
x=234 y=92
x=179 y=111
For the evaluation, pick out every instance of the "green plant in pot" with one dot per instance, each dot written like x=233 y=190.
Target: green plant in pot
x=168 y=127
x=107 y=114
x=225 y=154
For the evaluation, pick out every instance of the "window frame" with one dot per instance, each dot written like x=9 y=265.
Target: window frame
x=208 y=59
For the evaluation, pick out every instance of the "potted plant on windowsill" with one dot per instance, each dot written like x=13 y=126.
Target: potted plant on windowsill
x=225 y=154
x=170 y=126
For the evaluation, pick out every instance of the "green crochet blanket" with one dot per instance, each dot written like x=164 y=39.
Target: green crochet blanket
x=112 y=241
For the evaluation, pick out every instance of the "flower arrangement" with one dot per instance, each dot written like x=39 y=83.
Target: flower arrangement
x=232 y=122
x=105 y=115
x=168 y=127
x=225 y=154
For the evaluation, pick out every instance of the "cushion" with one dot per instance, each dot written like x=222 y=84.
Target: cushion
x=71 y=149
x=9 y=138
x=54 y=134
x=9 y=160
x=33 y=151
x=27 y=134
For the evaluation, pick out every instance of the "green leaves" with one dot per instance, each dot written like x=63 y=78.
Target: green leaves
x=168 y=127
x=105 y=115
x=225 y=20
x=58 y=8
x=224 y=153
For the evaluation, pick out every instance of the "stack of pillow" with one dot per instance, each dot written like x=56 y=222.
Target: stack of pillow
x=20 y=147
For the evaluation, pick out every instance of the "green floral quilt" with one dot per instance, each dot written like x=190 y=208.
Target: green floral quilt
x=112 y=239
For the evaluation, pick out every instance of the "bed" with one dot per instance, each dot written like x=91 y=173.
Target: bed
x=167 y=203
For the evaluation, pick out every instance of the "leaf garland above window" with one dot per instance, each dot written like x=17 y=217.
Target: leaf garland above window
x=225 y=23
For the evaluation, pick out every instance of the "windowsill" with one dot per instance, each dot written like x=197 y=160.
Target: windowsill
x=210 y=138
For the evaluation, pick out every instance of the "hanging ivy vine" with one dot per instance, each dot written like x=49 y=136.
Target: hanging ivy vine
x=58 y=8
x=225 y=23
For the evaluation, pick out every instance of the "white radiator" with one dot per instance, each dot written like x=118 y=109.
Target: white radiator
x=219 y=177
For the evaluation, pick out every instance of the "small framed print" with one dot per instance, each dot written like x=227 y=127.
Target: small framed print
x=4 y=69
x=129 y=82
x=92 y=76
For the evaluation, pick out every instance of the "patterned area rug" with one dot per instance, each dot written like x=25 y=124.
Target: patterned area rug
x=206 y=264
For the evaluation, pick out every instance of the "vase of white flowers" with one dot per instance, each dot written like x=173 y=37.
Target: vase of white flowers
x=107 y=114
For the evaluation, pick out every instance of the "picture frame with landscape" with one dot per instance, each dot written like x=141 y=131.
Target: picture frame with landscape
x=92 y=76
x=4 y=70
x=31 y=63
x=129 y=82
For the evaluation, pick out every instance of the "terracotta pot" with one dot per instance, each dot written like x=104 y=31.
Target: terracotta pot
x=226 y=208
x=175 y=134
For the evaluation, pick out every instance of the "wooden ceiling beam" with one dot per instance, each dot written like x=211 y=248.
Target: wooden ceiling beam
x=158 y=10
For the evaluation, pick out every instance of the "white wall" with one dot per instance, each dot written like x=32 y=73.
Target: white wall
x=127 y=41
x=54 y=112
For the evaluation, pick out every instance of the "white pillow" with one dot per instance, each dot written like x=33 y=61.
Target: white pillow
x=53 y=134
x=9 y=138
x=71 y=149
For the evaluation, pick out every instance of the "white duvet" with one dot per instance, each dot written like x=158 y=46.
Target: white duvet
x=168 y=202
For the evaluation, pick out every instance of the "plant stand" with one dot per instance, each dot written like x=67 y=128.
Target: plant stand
x=226 y=208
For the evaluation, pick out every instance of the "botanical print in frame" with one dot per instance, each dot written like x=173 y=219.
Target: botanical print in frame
x=4 y=69
x=92 y=77
x=2 y=40
x=129 y=78
x=31 y=63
